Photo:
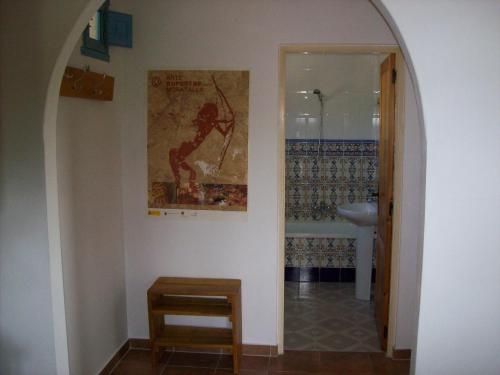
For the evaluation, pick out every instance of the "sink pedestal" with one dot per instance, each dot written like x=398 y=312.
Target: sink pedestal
x=364 y=215
x=364 y=252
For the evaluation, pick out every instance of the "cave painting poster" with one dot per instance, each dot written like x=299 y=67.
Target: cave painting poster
x=197 y=139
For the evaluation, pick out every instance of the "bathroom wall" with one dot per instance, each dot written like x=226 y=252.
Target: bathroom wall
x=90 y=204
x=342 y=168
x=350 y=87
x=192 y=35
x=343 y=171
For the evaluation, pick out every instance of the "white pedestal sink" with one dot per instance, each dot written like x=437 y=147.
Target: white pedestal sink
x=364 y=215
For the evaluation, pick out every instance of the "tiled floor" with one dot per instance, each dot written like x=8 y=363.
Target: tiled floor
x=137 y=362
x=327 y=317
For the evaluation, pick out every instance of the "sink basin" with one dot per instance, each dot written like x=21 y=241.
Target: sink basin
x=362 y=214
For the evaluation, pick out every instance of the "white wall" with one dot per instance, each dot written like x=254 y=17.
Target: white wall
x=454 y=49
x=31 y=36
x=411 y=220
x=222 y=34
x=90 y=204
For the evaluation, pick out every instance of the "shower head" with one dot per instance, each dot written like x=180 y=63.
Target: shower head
x=320 y=95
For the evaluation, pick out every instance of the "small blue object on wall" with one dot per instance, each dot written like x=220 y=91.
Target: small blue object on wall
x=119 y=27
x=106 y=28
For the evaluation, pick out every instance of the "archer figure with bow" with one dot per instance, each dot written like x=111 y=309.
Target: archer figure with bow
x=206 y=120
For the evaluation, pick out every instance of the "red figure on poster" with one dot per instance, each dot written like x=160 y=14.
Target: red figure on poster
x=206 y=120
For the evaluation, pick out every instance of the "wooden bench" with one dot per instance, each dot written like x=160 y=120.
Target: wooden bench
x=195 y=297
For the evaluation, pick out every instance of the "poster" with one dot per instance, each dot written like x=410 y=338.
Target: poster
x=197 y=124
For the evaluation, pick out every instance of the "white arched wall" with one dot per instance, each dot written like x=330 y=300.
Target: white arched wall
x=52 y=191
x=458 y=330
x=136 y=325
x=32 y=36
x=453 y=49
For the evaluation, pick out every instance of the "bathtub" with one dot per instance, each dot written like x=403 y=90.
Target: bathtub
x=320 y=229
x=320 y=251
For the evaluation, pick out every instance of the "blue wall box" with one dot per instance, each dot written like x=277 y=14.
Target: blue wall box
x=106 y=28
x=119 y=28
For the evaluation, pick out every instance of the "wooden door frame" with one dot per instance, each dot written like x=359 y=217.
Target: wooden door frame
x=398 y=173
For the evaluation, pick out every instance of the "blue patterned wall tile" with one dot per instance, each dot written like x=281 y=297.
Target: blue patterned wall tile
x=350 y=259
x=320 y=252
x=297 y=169
x=330 y=261
x=369 y=169
x=344 y=171
x=291 y=259
x=352 y=170
x=311 y=260
x=334 y=170
x=314 y=170
x=351 y=193
x=368 y=190
x=312 y=245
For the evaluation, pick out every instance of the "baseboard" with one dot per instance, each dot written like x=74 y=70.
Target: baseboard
x=247 y=349
x=143 y=344
x=139 y=344
x=401 y=354
x=260 y=350
x=115 y=359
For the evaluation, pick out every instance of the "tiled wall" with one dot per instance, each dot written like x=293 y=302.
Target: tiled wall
x=344 y=171
x=316 y=182
x=320 y=252
x=321 y=259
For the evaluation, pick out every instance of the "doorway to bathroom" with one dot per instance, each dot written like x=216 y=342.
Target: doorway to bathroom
x=338 y=116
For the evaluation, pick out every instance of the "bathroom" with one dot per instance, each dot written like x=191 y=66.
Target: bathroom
x=332 y=118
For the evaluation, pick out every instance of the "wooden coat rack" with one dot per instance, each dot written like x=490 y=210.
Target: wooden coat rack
x=82 y=83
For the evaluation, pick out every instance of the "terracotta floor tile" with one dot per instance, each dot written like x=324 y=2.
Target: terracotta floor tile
x=295 y=361
x=137 y=362
x=243 y=372
x=135 y=368
x=254 y=363
x=187 y=371
x=194 y=360
x=346 y=363
x=247 y=363
x=386 y=366
x=144 y=356
x=137 y=356
x=254 y=372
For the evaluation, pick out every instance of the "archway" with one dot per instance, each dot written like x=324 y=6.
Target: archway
x=51 y=170
x=52 y=191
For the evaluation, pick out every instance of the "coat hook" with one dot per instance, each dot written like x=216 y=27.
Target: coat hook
x=76 y=83
x=97 y=88
x=68 y=75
